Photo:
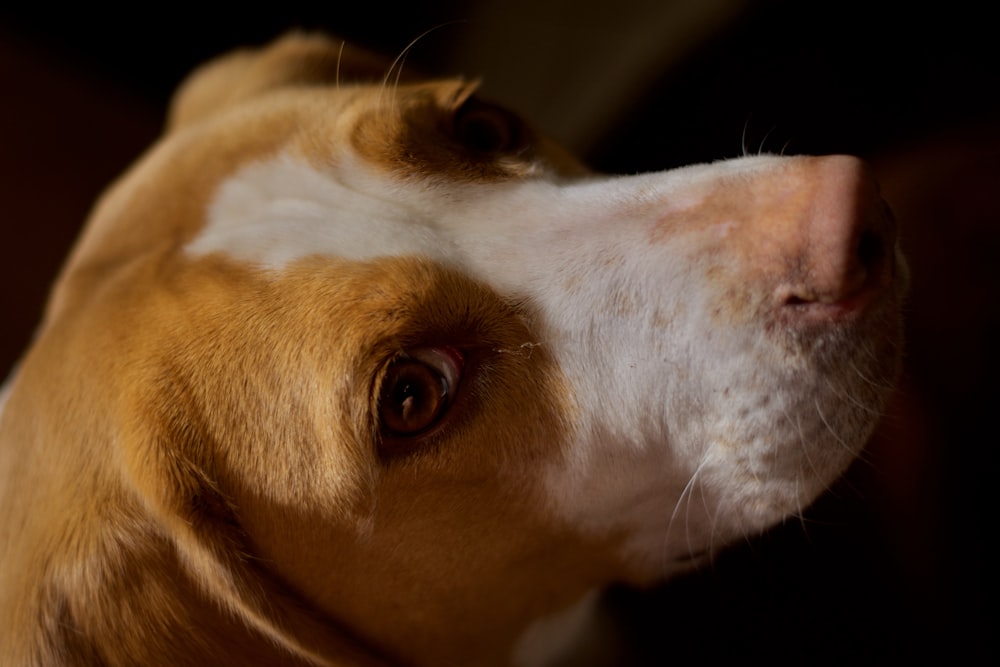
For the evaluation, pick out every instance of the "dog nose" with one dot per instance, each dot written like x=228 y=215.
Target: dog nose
x=839 y=248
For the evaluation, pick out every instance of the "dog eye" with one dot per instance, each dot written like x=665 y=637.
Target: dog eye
x=486 y=129
x=418 y=389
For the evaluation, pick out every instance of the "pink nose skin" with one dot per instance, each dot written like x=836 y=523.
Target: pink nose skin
x=844 y=239
x=808 y=237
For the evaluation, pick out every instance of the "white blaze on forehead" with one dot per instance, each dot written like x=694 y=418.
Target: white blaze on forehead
x=274 y=213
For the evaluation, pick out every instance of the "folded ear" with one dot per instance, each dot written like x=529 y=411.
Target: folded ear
x=294 y=59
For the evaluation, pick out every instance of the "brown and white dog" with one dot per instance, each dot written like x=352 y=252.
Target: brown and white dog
x=347 y=374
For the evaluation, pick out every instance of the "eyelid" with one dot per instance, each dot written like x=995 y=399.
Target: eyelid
x=446 y=359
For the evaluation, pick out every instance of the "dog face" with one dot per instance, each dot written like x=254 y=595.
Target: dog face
x=377 y=362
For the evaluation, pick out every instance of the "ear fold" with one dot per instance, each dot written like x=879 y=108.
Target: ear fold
x=294 y=59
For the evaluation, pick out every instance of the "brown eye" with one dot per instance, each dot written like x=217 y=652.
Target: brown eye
x=418 y=389
x=486 y=129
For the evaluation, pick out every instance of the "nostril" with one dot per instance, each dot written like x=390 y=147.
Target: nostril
x=844 y=281
x=796 y=300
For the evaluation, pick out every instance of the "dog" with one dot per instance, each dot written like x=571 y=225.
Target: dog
x=351 y=370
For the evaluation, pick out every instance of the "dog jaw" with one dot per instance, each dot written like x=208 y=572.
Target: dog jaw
x=652 y=366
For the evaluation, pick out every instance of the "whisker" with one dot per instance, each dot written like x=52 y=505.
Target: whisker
x=830 y=429
x=687 y=513
x=715 y=522
x=760 y=146
x=397 y=63
x=844 y=395
x=850 y=450
x=799 y=509
x=685 y=497
x=340 y=57
x=885 y=384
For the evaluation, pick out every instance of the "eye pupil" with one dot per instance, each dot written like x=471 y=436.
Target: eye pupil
x=413 y=398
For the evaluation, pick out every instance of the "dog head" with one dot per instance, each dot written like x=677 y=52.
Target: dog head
x=375 y=370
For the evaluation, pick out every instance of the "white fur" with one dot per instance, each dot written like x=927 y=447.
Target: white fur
x=681 y=417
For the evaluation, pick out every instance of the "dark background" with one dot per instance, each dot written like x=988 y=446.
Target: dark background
x=892 y=565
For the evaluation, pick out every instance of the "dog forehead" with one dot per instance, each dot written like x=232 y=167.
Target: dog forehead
x=273 y=213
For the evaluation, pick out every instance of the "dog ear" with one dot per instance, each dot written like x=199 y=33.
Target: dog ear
x=294 y=59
